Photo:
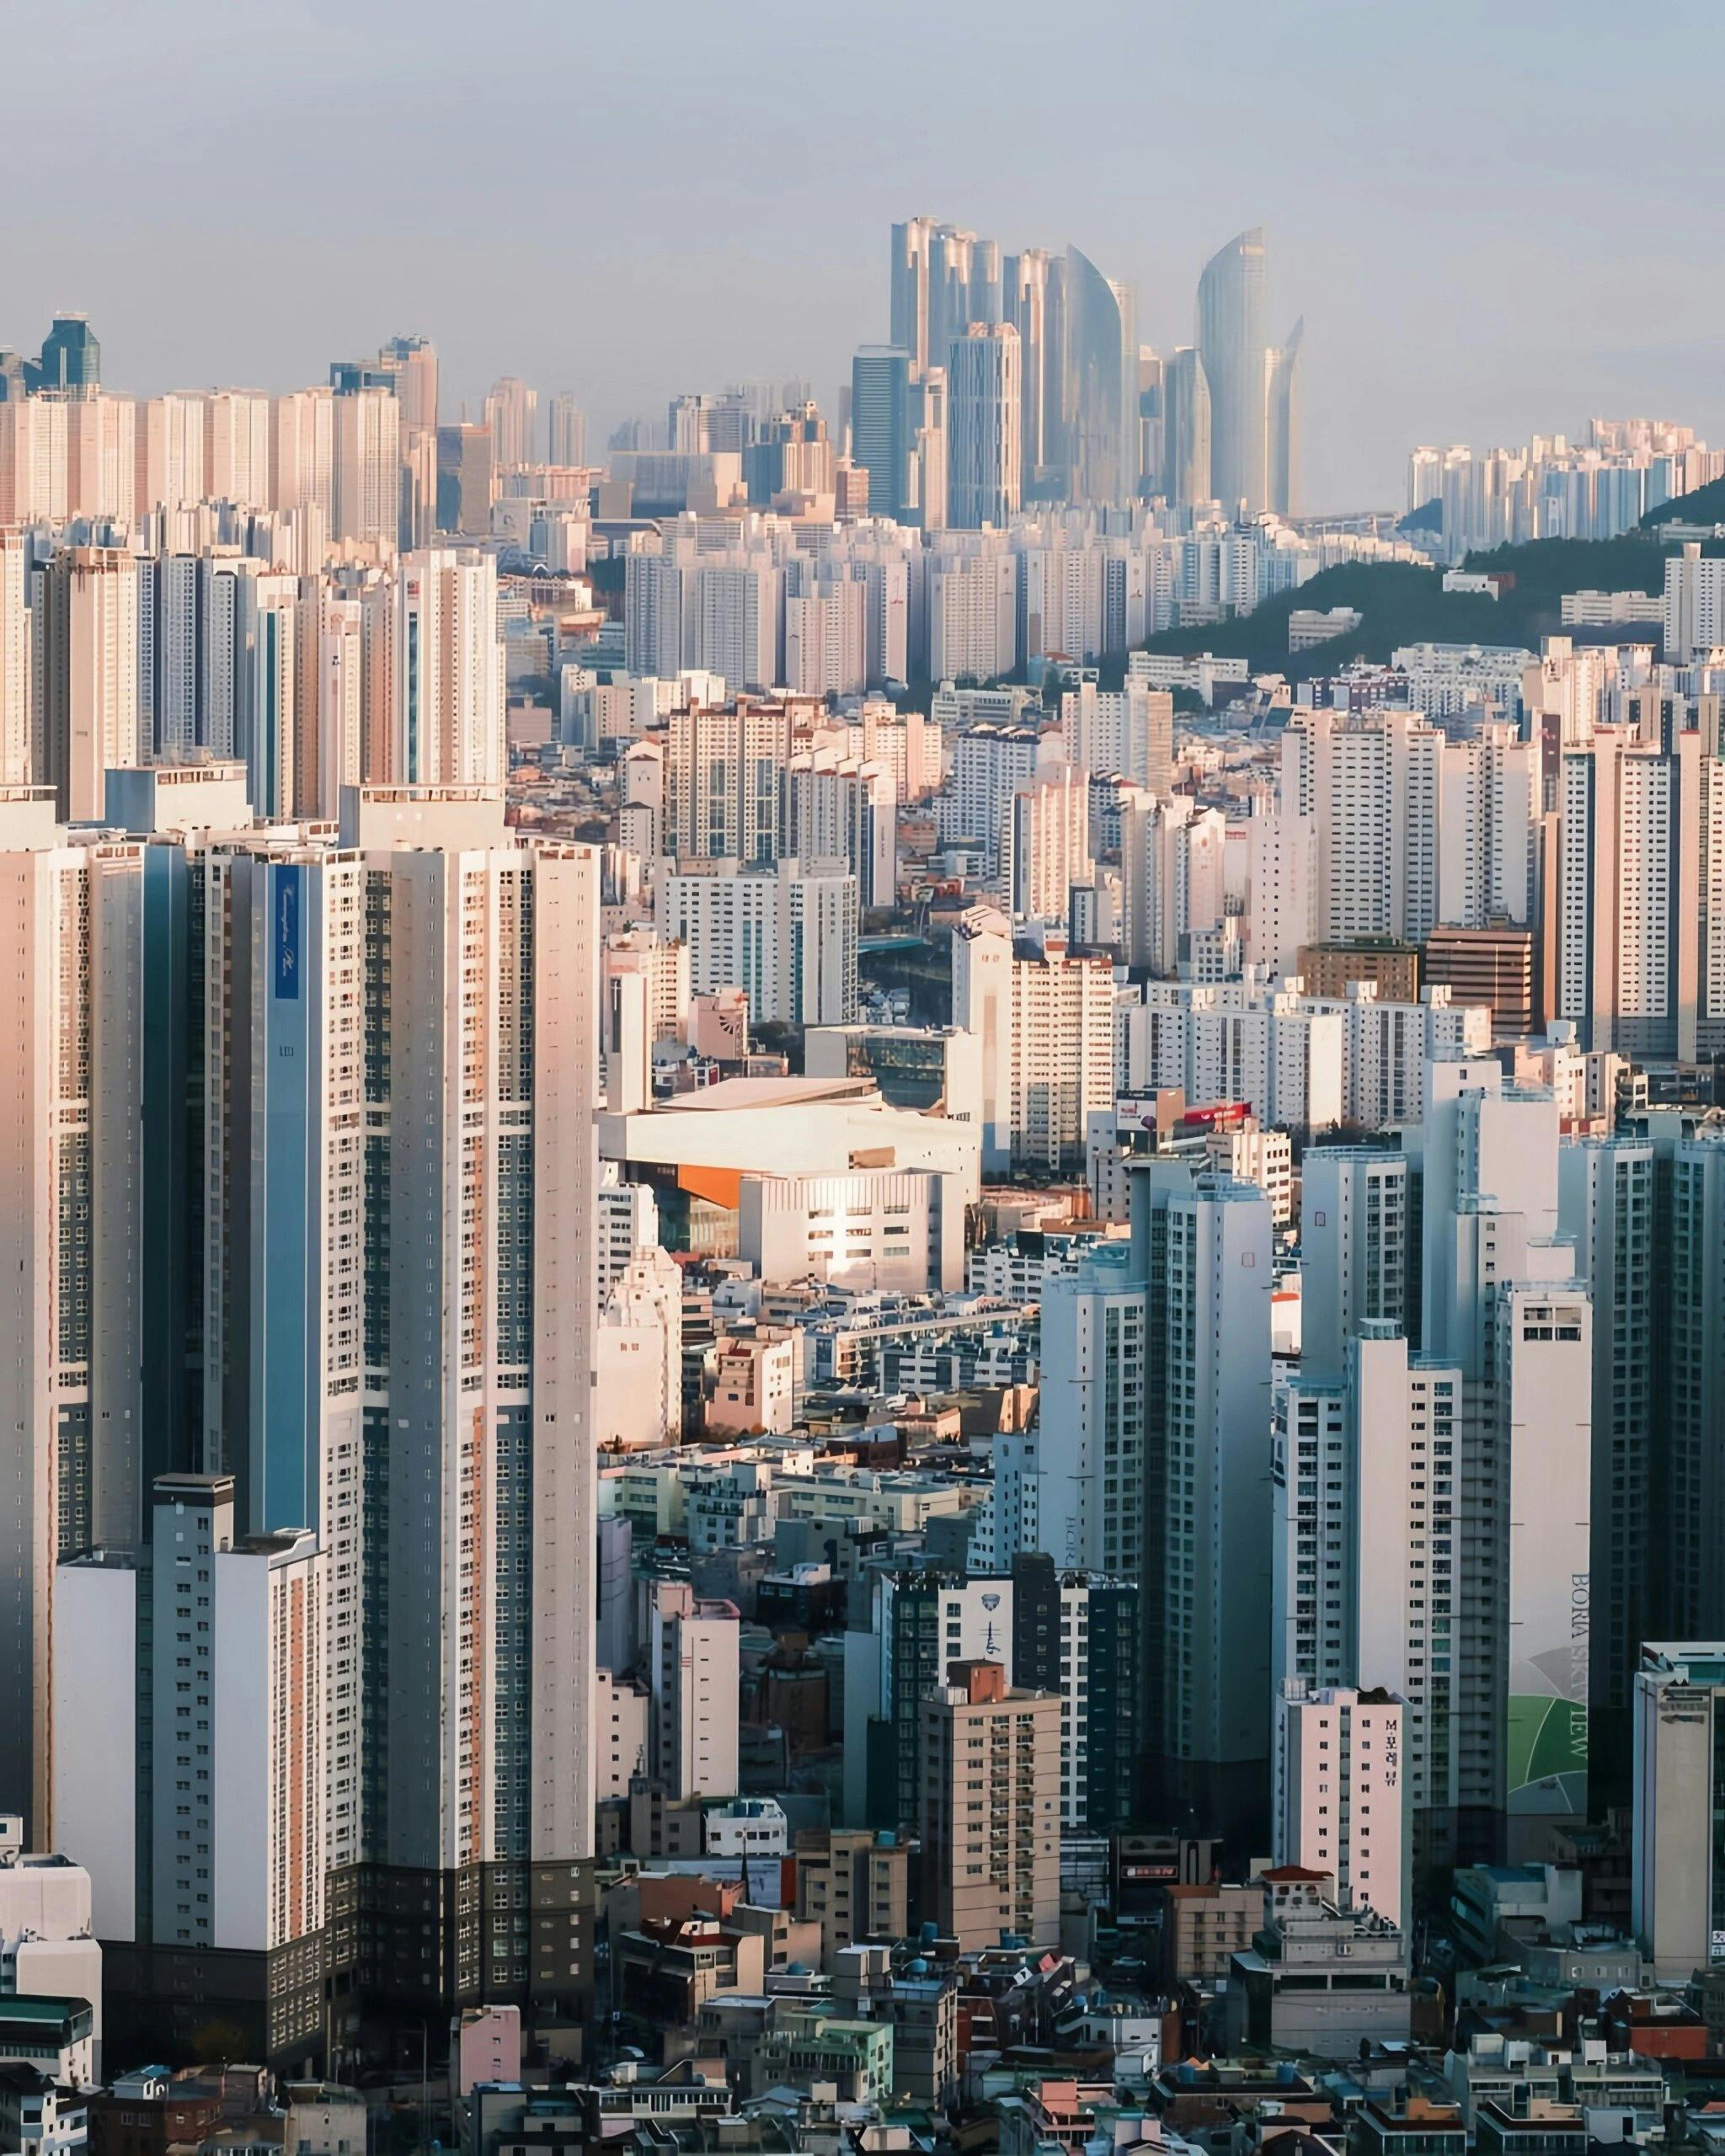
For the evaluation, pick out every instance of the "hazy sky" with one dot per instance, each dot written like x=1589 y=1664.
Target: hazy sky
x=1497 y=215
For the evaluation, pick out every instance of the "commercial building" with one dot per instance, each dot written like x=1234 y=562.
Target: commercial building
x=1496 y=967
x=896 y=1230
x=1323 y=1976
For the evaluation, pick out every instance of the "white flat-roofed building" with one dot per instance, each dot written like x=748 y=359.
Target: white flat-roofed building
x=792 y=1126
x=895 y=1230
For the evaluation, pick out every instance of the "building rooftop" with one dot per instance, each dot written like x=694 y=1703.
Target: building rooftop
x=766 y=1093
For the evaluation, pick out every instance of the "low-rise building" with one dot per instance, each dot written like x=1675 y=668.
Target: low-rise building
x=55 y=2035
x=39 y=2116
x=1319 y=1977
x=854 y=1883
x=809 y=2044
x=748 y=1826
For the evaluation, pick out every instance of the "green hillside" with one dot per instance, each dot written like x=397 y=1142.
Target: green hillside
x=1704 y=505
x=1400 y=603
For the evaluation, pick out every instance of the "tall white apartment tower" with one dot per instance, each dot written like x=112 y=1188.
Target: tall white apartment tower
x=1089 y=1459
x=1365 y=1503
x=237 y=447
x=1606 y=1208
x=89 y=674
x=366 y=468
x=511 y=412
x=568 y=430
x=448 y=669
x=189 y=1711
x=70 y=1393
x=16 y=758
x=1354 y=1223
x=482 y=976
x=1502 y=1302
x=1045 y=843
x=390 y=1207
x=303 y=451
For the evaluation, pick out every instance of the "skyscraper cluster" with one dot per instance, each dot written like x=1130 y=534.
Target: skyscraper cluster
x=1098 y=419
x=798 y=1335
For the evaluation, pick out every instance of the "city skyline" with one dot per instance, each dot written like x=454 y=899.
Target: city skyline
x=658 y=298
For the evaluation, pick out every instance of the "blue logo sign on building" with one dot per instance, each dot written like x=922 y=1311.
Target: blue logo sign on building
x=287 y=929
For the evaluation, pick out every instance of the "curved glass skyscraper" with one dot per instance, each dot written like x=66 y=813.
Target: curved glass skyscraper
x=1100 y=381
x=1230 y=342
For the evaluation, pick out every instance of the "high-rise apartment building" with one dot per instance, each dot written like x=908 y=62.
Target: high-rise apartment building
x=785 y=935
x=1501 y=1301
x=1282 y=423
x=101 y=447
x=303 y=451
x=17 y=743
x=1606 y=1206
x=168 y=440
x=189 y=1705
x=692 y=1671
x=1201 y=1244
x=1099 y=340
x=1025 y=303
x=1367 y=1507
x=1356 y=1224
x=412 y=363
x=88 y=642
x=880 y=427
x=466 y=479
x=1089 y=1468
x=972 y=612
x=841 y=809
x=1636 y=925
x=1186 y=429
x=237 y=447
x=1129 y=731
x=357 y=1147
x=1677 y=1878
x=1689 y=1591
x=990 y=1808
x=567 y=432
x=70 y=1049
x=448 y=671
x=1172 y=866
x=1342 y=1792
x=983 y=426
x=1045 y=844
x=1045 y=1019
x=726 y=778
x=366 y=468
x=511 y=413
